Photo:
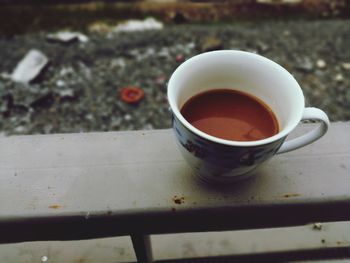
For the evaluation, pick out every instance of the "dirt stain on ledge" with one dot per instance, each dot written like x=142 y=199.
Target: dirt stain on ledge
x=55 y=206
x=290 y=195
x=342 y=243
x=178 y=200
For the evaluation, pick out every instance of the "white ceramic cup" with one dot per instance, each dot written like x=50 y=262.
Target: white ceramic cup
x=218 y=160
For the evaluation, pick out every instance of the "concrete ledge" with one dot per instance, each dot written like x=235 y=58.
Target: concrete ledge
x=80 y=186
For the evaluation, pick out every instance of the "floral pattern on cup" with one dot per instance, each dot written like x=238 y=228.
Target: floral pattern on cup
x=216 y=162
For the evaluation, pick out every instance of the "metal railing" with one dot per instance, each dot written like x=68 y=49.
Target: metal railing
x=84 y=186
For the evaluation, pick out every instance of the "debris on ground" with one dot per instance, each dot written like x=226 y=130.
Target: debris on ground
x=19 y=129
x=131 y=95
x=67 y=37
x=66 y=71
x=286 y=33
x=160 y=80
x=262 y=46
x=339 y=78
x=211 y=43
x=164 y=52
x=66 y=94
x=118 y=63
x=44 y=101
x=180 y=58
x=139 y=25
x=346 y=66
x=60 y=83
x=6 y=104
x=127 y=117
x=5 y=75
x=99 y=28
x=304 y=64
x=30 y=67
x=321 y=64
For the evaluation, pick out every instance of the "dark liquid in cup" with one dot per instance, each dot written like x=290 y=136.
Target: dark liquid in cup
x=231 y=115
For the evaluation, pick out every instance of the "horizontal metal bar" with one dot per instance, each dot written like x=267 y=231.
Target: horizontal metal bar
x=239 y=244
x=199 y=220
x=285 y=256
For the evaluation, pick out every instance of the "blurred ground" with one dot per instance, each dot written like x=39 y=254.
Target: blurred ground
x=24 y=16
x=79 y=91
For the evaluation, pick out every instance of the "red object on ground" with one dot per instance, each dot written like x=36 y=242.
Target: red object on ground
x=180 y=58
x=131 y=95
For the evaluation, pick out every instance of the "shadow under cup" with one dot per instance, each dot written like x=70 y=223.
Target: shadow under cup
x=219 y=160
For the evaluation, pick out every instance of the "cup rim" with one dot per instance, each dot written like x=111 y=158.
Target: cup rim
x=281 y=134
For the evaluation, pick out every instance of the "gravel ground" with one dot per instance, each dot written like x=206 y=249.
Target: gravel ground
x=79 y=90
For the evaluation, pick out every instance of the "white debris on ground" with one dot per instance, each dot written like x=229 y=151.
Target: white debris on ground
x=346 y=66
x=60 y=83
x=66 y=93
x=5 y=75
x=139 y=25
x=66 y=71
x=339 y=78
x=118 y=63
x=286 y=33
x=30 y=66
x=321 y=64
x=68 y=37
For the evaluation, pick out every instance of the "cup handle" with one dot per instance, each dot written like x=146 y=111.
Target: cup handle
x=311 y=136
